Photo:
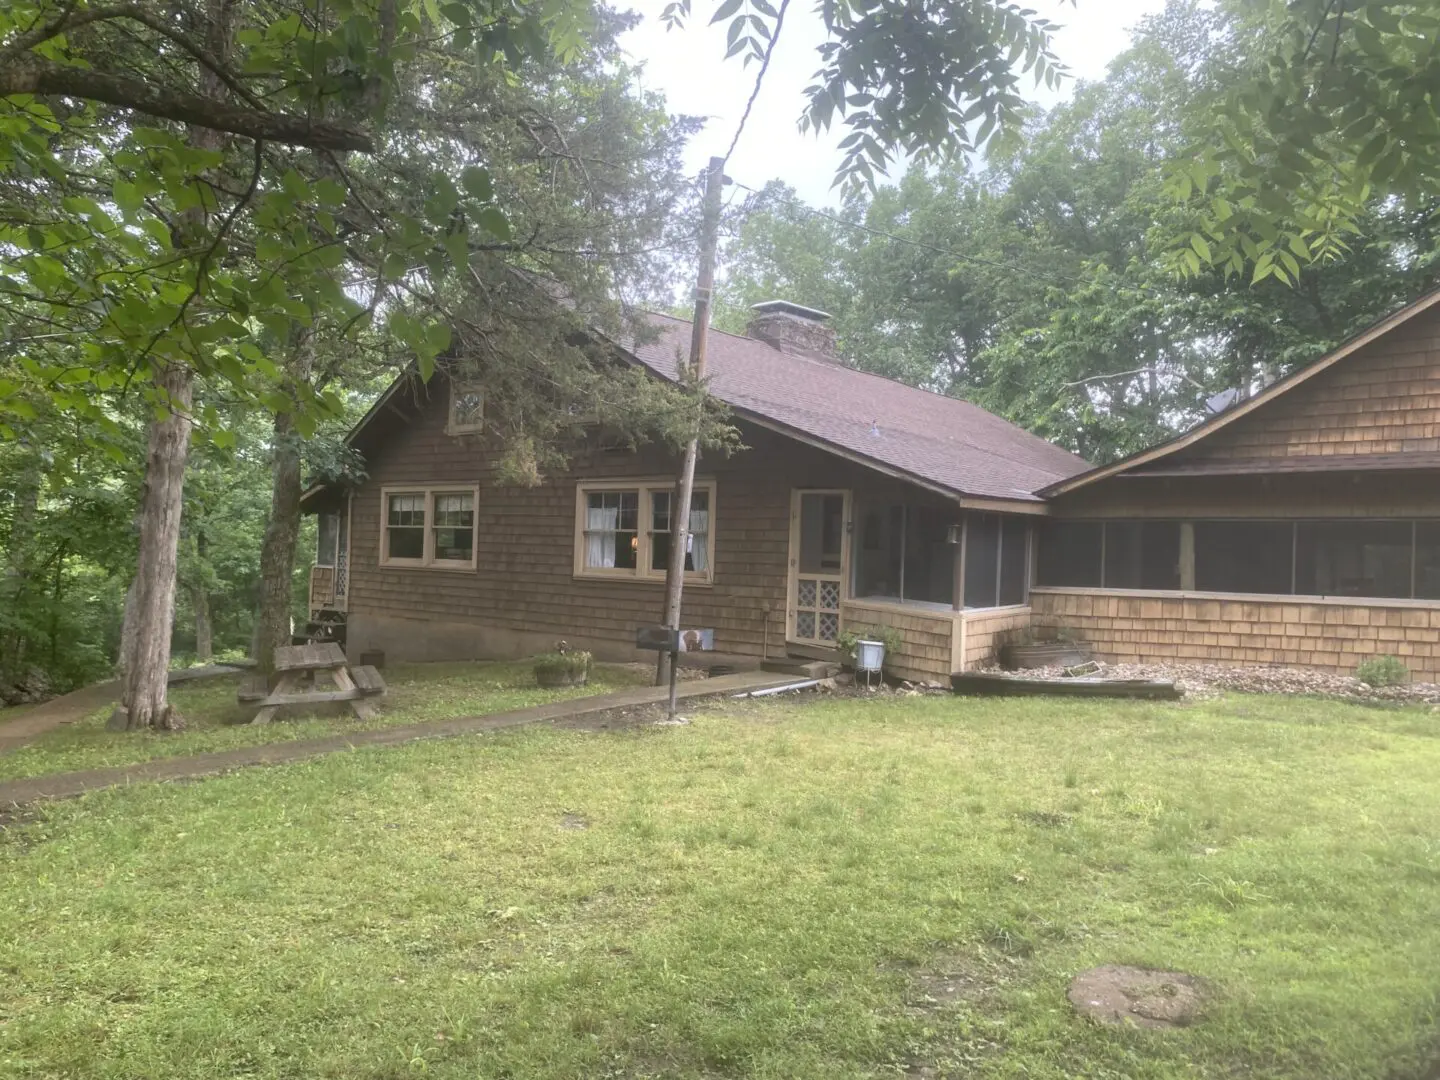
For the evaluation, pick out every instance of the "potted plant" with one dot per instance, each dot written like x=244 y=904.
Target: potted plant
x=849 y=642
x=1054 y=646
x=562 y=668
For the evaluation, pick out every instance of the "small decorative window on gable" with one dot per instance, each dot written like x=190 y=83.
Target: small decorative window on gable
x=467 y=408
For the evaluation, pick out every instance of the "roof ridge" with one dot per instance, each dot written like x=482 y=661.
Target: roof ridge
x=833 y=364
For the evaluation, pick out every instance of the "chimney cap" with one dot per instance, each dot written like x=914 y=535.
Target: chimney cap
x=789 y=308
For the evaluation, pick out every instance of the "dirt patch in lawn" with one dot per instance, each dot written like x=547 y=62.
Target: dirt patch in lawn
x=1120 y=995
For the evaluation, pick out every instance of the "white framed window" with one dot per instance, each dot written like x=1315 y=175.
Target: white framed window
x=624 y=529
x=467 y=408
x=428 y=527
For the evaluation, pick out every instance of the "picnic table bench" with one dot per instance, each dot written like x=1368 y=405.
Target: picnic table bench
x=301 y=673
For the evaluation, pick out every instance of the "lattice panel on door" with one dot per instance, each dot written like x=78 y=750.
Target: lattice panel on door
x=805 y=593
x=829 y=596
x=829 y=627
x=805 y=624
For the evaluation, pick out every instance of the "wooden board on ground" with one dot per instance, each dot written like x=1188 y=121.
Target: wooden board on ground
x=974 y=682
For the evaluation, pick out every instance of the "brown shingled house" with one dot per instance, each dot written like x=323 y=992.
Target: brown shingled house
x=859 y=501
x=1300 y=527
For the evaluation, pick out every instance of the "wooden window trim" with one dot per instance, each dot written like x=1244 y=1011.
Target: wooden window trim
x=453 y=428
x=429 y=562
x=642 y=572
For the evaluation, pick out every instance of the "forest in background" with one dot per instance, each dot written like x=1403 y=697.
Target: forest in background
x=1040 y=280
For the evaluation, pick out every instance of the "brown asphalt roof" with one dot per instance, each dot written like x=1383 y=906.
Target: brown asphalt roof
x=940 y=441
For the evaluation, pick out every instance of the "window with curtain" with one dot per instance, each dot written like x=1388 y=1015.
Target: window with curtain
x=454 y=528
x=697 y=545
x=405 y=526
x=612 y=533
x=627 y=531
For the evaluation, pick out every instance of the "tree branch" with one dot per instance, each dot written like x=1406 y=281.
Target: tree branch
x=32 y=74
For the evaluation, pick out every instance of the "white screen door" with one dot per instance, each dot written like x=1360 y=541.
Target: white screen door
x=819 y=560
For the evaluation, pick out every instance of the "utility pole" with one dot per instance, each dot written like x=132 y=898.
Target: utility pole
x=695 y=371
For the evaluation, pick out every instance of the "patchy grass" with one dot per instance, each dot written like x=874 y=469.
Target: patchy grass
x=215 y=721
x=872 y=888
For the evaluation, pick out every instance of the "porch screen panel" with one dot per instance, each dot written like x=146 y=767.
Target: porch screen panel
x=1243 y=556
x=328 y=534
x=1353 y=558
x=1014 y=561
x=1070 y=553
x=879 y=555
x=982 y=560
x=1427 y=560
x=929 y=557
x=1142 y=555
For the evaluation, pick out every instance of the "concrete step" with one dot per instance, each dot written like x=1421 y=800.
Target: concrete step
x=806 y=669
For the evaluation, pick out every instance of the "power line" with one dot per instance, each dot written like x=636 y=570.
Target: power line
x=759 y=77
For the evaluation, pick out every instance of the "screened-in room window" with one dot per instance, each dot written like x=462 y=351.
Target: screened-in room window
x=1353 y=558
x=1070 y=553
x=1243 y=556
x=904 y=553
x=1142 y=555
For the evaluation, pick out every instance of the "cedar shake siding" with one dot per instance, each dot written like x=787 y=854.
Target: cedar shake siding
x=523 y=594
x=1384 y=399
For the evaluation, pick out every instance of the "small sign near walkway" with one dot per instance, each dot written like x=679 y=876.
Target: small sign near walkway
x=303 y=672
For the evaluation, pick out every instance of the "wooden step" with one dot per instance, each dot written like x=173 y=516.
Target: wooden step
x=809 y=669
x=368 y=679
x=253 y=687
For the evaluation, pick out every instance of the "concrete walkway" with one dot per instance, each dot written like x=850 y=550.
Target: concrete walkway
x=16 y=731
x=67 y=785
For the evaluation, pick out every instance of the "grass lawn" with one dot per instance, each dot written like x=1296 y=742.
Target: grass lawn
x=215 y=721
x=768 y=892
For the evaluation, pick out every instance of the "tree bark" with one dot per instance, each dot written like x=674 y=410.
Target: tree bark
x=277 y=553
x=20 y=558
x=146 y=658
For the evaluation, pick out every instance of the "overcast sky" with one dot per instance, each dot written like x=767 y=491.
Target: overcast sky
x=689 y=68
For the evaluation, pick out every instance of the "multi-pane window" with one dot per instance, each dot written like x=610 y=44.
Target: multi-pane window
x=612 y=530
x=405 y=526
x=429 y=527
x=697 y=545
x=628 y=531
x=454 y=528
x=467 y=408
x=904 y=553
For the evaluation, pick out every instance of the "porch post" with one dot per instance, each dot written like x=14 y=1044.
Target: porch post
x=1187 y=556
x=959 y=589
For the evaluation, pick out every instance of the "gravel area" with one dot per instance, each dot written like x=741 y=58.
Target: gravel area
x=1206 y=680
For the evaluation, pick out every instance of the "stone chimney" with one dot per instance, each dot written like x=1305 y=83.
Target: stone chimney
x=792 y=328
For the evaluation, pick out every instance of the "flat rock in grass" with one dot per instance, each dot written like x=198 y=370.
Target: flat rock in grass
x=1119 y=995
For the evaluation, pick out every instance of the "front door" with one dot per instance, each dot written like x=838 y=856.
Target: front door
x=819 y=562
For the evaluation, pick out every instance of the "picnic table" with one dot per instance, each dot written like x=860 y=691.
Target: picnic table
x=302 y=675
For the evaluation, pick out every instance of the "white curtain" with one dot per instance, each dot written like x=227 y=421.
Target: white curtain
x=700 y=540
x=600 y=525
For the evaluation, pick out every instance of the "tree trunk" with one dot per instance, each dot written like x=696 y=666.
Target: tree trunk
x=277 y=554
x=18 y=563
x=146 y=657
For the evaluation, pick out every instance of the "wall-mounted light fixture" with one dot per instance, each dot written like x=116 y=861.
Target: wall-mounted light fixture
x=954 y=533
